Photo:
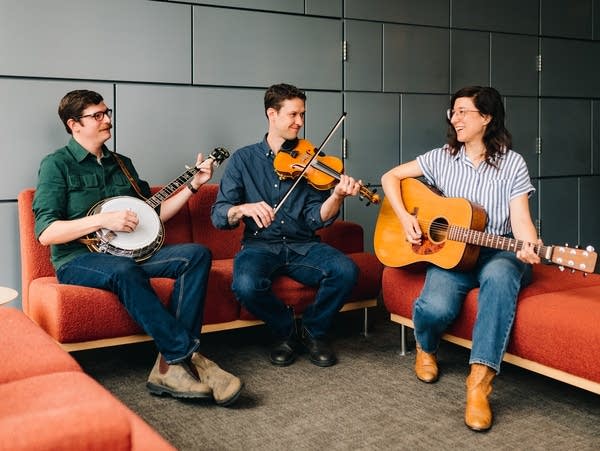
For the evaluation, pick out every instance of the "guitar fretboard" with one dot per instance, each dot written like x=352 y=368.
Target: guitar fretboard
x=456 y=233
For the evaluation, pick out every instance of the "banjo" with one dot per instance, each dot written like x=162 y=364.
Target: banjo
x=149 y=235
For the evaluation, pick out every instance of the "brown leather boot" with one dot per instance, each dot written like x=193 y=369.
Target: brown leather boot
x=225 y=386
x=426 y=366
x=478 y=413
x=176 y=380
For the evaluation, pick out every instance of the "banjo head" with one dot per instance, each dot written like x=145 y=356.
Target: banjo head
x=149 y=226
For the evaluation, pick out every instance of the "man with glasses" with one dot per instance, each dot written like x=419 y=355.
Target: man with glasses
x=84 y=172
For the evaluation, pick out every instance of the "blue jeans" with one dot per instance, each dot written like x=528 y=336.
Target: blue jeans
x=499 y=276
x=323 y=266
x=176 y=328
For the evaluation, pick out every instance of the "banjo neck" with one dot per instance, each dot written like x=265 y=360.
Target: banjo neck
x=218 y=155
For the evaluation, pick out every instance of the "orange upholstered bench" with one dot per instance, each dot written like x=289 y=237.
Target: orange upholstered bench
x=48 y=402
x=555 y=332
x=81 y=318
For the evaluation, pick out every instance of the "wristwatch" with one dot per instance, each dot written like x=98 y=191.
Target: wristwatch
x=191 y=187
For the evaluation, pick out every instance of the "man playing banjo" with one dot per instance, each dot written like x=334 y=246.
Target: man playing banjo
x=84 y=172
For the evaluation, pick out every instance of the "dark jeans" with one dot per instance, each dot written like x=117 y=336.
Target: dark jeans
x=499 y=276
x=176 y=328
x=323 y=266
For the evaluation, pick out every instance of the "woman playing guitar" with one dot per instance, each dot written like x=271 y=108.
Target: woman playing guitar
x=477 y=164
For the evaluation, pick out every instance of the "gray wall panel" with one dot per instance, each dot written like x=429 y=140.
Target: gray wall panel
x=566 y=18
x=31 y=127
x=596 y=137
x=423 y=124
x=470 y=59
x=10 y=266
x=162 y=128
x=363 y=69
x=323 y=109
x=324 y=7
x=372 y=131
x=133 y=40
x=424 y=12
x=559 y=211
x=265 y=49
x=404 y=66
x=290 y=6
x=565 y=153
x=570 y=68
x=366 y=216
x=511 y=16
x=513 y=64
x=596 y=19
x=522 y=123
x=590 y=219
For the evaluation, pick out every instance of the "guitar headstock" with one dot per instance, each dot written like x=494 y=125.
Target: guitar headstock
x=219 y=154
x=575 y=259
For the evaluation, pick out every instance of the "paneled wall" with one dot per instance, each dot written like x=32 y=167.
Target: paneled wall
x=188 y=76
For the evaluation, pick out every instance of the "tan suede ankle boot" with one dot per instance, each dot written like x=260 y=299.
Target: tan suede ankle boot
x=225 y=386
x=478 y=413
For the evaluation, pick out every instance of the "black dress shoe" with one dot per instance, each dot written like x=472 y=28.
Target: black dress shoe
x=284 y=352
x=319 y=351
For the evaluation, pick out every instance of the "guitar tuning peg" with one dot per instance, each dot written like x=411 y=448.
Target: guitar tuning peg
x=572 y=271
x=561 y=268
x=584 y=274
x=590 y=248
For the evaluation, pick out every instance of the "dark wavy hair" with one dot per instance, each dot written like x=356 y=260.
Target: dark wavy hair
x=497 y=139
x=73 y=103
x=276 y=94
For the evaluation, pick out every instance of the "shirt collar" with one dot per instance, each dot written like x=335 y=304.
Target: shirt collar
x=80 y=153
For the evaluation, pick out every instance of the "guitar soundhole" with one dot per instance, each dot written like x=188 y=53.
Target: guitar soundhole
x=438 y=231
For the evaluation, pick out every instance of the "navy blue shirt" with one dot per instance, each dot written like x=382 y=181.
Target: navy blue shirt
x=250 y=177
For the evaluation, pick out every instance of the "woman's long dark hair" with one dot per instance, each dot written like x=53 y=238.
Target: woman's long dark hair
x=497 y=139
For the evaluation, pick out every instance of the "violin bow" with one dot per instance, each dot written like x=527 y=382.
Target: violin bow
x=307 y=166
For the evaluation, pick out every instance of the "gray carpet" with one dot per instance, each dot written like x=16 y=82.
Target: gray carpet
x=369 y=400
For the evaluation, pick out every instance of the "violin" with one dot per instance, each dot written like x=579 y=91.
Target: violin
x=324 y=171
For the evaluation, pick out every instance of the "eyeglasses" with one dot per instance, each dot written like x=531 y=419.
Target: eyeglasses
x=98 y=115
x=460 y=113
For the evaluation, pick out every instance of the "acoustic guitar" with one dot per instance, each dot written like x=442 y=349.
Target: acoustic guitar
x=453 y=233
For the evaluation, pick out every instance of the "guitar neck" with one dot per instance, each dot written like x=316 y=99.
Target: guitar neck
x=171 y=187
x=483 y=239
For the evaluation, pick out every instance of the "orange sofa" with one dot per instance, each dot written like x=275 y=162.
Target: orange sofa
x=83 y=318
x=555 y=332
x=48 y=402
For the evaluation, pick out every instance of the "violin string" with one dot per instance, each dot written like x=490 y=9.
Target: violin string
x=336 y=175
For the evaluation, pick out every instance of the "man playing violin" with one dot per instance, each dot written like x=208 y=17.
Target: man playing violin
x=74 y=178
x=285 y=242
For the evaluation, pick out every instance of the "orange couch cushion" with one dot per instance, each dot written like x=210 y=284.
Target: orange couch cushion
x=556 y=322
x=26 y=350
x=61 y=411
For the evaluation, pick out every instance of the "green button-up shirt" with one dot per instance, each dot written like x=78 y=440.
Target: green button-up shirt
x=70 y=181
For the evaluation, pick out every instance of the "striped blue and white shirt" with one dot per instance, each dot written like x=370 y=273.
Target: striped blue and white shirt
x=491 y=187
